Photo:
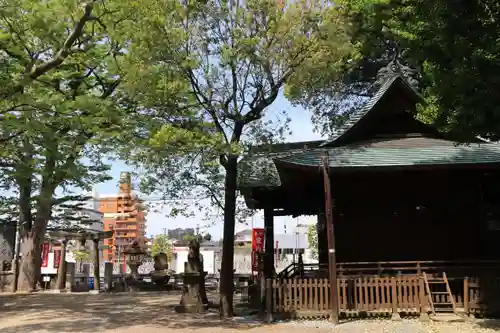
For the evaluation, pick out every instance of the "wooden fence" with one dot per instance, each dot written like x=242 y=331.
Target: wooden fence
x=355 y=295
x=310 y=297
x=482 y=294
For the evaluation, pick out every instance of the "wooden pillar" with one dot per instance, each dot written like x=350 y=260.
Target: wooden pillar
x=322 y=238
x=424 y=316
x=332 y=260
x=466 y=296
x=269 y=299
x=61 y=270
x=97 y=265
x=268 y=243
x=394 y=299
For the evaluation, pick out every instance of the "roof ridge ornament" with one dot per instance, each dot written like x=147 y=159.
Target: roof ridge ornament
x=397 y=67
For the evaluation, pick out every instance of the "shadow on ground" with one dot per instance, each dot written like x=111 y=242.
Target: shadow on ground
x=93 y=313
x=492 y=324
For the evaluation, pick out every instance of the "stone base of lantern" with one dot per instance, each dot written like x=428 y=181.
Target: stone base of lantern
x=131 y=283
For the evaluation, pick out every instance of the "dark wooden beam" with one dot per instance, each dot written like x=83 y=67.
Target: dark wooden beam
x=268 y=243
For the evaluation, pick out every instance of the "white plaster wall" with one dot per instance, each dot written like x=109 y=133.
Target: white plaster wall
x=208 y=260
x=50 y=266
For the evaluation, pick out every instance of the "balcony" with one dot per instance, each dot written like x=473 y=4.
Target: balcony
x=128 y=235
x=125 y=228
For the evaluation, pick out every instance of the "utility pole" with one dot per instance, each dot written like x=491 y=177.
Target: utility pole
x=332 y=260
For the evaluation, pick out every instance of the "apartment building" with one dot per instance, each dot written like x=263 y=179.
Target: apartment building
x=124 y=214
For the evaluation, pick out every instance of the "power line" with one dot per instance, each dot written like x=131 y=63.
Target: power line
x=148 y=199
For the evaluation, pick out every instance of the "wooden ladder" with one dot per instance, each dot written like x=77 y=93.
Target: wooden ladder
x=439 y=288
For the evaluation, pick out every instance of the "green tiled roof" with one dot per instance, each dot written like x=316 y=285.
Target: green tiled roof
x=378 y=157
x=258 y=169
x=262 y=171
x=369 y=106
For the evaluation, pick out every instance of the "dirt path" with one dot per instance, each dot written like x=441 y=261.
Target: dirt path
x=154 y=313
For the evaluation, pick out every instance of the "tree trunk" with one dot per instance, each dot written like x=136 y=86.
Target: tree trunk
x=31 y=249
x=61 y=270
x=227 y=264
x=29 y=270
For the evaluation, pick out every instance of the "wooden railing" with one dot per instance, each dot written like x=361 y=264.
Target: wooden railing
x=417 y=267
x=377 y=295
x=482 y=294
x=355 y=295
x=393 y=268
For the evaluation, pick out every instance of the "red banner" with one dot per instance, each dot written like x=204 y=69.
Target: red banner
x=258 y=239
x=45 y=254
x=257 y=247
x=57 y=258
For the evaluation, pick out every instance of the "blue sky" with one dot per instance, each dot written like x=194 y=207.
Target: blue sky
x=302 y=130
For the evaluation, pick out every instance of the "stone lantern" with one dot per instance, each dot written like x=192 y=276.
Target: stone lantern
x=134 y=254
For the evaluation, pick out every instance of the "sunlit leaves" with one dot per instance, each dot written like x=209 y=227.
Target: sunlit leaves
x=60 y=112
x=454 y=45
x=208 y=73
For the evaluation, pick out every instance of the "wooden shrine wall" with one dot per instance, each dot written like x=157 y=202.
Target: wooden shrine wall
x=413 y=216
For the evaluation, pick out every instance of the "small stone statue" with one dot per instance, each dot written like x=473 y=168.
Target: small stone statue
x=193 y=294
x=160 y=274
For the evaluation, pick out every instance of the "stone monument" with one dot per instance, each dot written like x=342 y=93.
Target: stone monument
x=134 y=255
x=192 y=299
x=160 y=274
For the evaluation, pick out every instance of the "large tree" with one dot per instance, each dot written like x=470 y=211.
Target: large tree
x=226 y=63
x=450 y=47
x=59 y=114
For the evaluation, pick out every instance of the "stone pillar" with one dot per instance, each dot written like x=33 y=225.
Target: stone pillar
x=268 y=243
x=97 y=266
x=70 y=276
x=86 y=274
x=108 y=275
x=322 y=238
x=61 y=271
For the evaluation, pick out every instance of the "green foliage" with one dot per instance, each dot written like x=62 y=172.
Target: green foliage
x=457 y=45
x=452 y=45
x=312 y=239
x=224 y=64
x=190 y=238
x=161 y=245
x=60 y=111
x=81 y=255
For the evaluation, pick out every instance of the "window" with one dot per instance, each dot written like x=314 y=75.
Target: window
x=290 y=251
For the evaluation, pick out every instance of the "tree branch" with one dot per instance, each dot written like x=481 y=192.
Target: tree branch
x=65 y=51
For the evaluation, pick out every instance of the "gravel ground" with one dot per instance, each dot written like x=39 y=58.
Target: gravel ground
x=153 y=313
